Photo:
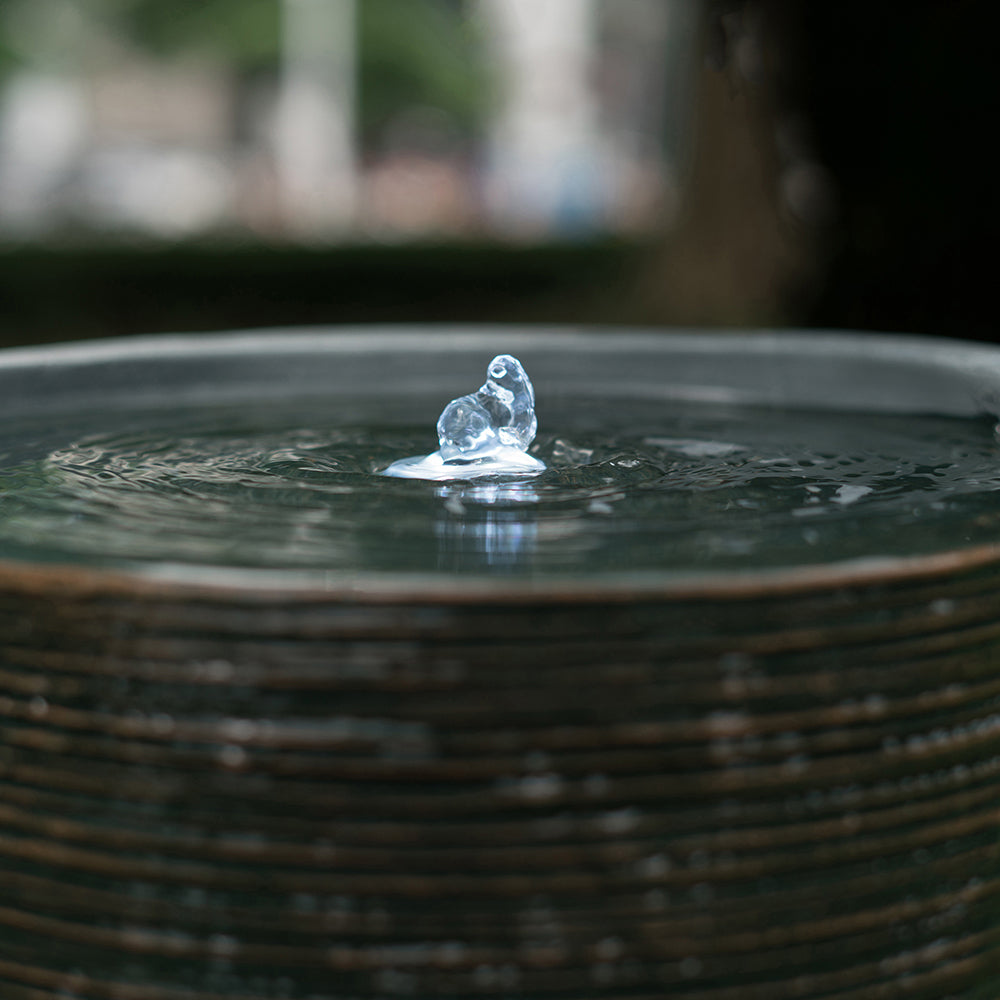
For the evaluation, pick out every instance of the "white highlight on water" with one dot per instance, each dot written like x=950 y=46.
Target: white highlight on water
x=849 y=493
x=485 y=433
x=695 y=449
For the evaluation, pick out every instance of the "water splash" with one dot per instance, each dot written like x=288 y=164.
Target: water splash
x=484 y=433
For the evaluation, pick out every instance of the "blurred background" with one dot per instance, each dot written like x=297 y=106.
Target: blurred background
x=214 y=164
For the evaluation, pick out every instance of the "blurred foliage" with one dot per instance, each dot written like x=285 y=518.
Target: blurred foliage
x=419 y=52
x=54 y=293
x=246 y=32
x=411 y=52
x=9 y=58
x=56 y=35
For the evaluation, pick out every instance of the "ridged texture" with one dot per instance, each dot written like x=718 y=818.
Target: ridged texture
x=772 y=791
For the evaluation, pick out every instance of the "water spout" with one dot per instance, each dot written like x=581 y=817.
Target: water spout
x=484 y=433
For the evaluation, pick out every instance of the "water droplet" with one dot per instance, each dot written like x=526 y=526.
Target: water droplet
x=876 y=704
x=450 y=953
x=239 y=730
x=218 y=671
x=654 y=866
x=233 y=757
x=38 y=707
x=610 y=948
x=223 y=946
x=796 y=763
x=163 y=724
x=619 y=821
x=727 y=724
x=735 y=663
x=305 y=902
x=690 y=967
x=540 y=787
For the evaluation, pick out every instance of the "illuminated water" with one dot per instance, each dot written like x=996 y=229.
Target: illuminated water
x=487 y=432
x=630 y=486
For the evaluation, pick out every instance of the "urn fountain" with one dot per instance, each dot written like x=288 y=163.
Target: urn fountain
x=702 y=701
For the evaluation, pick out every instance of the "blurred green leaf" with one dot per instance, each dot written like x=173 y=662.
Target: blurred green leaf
x=410 y=52
x=244 y=31
x=419 y=52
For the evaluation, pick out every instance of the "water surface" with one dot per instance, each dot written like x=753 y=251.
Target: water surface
x=631 y=486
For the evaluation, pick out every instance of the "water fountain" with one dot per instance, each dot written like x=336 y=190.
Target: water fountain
x=485 y=433
x=700 y=700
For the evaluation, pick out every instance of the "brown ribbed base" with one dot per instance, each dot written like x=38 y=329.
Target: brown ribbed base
x=743 y=792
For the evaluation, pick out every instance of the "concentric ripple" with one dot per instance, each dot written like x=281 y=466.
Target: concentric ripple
x=629 y=487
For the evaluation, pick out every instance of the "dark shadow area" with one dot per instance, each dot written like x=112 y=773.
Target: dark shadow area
x=60 y=294
x=900 y=105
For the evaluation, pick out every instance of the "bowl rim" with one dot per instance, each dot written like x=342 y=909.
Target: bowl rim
x=257 y=586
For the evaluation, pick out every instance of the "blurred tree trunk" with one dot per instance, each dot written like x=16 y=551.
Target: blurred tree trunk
x=843 y=174
x=736 y=254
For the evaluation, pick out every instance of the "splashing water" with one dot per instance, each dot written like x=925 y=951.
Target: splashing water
x=485 y=433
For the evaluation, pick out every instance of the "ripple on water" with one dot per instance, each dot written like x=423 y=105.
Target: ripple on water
x=629 y=486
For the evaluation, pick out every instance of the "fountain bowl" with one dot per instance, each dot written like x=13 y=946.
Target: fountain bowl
x=255 y=781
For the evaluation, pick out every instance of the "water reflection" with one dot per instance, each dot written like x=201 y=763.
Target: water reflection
x=487 y=526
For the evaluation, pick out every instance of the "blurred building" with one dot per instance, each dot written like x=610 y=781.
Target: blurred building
x=337 y=119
